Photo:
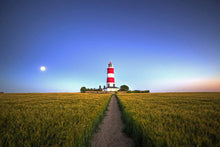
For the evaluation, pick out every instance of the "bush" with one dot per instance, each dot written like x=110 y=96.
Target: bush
x=124 y=88
x=83 y=89
x=138 y=91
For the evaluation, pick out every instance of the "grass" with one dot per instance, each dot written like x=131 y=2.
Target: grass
x=172 y=119
x=50 y=119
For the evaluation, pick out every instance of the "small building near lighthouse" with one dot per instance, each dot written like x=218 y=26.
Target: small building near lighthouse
x=110 y=79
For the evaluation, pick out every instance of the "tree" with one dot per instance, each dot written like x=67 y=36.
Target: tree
x=124 y=88
x=83 y=89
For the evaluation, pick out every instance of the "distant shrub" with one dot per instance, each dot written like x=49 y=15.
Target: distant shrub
x=124 y=88
x=83 y=89
x=138 y=91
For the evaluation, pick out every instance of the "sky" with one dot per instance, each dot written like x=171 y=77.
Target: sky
x=161 y=46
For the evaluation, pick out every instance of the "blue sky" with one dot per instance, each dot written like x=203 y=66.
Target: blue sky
x=162 y=46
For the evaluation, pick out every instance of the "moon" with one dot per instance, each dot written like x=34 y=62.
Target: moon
x=42 y=68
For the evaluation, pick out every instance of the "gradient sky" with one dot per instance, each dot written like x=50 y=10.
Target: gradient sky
x=163 y=46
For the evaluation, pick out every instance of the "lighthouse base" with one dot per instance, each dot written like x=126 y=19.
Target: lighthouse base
x=111 y=89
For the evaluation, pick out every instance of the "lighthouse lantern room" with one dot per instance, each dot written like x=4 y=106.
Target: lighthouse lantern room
x=110 y=78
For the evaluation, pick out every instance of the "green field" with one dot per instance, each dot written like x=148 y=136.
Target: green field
x=154 y=119
x=50 y=119
x=172 y=119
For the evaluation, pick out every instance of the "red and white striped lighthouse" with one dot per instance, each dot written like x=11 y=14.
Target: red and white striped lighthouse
x=110 y=78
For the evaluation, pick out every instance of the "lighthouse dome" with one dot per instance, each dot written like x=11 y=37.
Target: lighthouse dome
x=110 y=64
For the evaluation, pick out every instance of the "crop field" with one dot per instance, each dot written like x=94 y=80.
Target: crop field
x=172 y=119
x=53 y=119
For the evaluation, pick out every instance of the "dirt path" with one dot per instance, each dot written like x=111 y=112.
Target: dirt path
x=110 y=130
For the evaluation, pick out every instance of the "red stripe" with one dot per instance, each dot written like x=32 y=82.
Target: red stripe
x=110 y=80
x=110 y=70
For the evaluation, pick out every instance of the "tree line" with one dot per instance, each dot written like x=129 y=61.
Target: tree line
x=122 y=88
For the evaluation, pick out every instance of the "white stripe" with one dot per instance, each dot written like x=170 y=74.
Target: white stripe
x=110 y=84
x=110 y=75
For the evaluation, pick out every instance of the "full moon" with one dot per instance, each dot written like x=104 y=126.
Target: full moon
x=42 y=68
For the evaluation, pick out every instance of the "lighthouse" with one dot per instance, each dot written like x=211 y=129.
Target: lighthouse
x=110 y=78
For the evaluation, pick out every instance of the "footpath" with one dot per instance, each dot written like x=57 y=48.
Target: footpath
x=110 y=130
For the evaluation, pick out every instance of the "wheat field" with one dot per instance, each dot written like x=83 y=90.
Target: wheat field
x=172 y=119
x=53 y=119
